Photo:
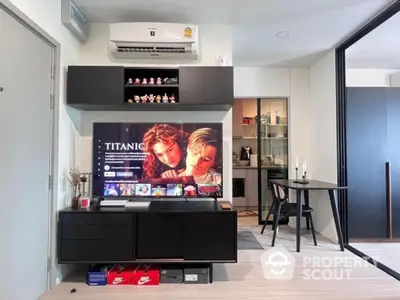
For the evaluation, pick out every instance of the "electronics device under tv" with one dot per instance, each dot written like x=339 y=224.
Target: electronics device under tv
x=157 y=160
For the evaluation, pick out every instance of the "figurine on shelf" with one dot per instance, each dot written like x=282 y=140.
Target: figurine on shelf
x=144 y=81
x=158 y=99
x=165 y=98
x=137 y=81
x=159 y=81
x=144 y=98
x=172 y=99
x=151 y=80
x=137 y=99
x=130 y=81
x=151 y=98
x=130 y=101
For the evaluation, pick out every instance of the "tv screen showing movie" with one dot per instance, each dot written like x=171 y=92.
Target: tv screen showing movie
x=157 y=160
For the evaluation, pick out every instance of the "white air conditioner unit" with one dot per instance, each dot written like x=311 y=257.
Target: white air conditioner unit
x=154 y=40
x=74 y=20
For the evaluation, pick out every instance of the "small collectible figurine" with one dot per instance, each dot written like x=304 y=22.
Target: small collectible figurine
x=151 y=80
x=130 y=81
x=151 y=98
x=137 y=81
x=144 y=98
x=165 y=80
x=172 y=98
x=137 y=99
x=158 y=99
x=130 y=101
x=165 y=98
x=144 y=81
x=159 y=82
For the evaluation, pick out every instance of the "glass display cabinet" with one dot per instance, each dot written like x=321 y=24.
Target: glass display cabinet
x=272 y=147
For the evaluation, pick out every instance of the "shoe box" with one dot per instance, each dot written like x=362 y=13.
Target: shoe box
x=196 y=274
x=146 y=275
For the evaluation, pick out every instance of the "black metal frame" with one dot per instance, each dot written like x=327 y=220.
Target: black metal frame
x=341 y=123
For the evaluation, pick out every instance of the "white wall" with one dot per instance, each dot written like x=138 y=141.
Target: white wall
x=321 y=152
x=47 y=14
x=369 y=77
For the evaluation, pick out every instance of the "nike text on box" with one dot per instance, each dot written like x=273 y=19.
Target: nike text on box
x=146 y=275
x=119 y=274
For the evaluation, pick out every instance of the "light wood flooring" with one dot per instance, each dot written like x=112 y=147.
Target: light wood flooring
x=245 y=279
x=386 y=253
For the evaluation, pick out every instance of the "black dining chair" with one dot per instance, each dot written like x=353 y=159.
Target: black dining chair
x=281 y=209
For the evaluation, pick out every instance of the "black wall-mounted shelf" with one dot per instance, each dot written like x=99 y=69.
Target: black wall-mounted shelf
x=113 y=88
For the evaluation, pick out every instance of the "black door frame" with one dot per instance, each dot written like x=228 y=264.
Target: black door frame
x=341 y=124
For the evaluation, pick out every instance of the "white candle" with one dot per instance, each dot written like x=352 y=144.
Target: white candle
x=302 y=171
x=305 y=166
x=297 y=162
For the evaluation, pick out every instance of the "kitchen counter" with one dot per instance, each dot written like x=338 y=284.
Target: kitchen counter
x=262 y=167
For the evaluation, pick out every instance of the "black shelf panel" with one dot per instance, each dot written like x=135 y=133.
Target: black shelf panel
x=153 y=107
x=151 y=86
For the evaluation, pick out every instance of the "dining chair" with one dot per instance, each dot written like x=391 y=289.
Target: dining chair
x=281 y=208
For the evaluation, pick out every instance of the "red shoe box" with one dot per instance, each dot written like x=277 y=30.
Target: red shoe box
x=119 y=274
x=146 y=275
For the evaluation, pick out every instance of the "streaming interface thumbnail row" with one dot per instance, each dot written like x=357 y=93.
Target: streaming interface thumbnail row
x=159 y=190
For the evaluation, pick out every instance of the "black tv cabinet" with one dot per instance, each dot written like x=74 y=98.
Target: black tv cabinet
x=165 y=232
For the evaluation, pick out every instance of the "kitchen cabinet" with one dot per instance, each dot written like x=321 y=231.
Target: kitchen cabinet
x=95 y=85
x=206 y=85
x=237 y=116
x=251 y=188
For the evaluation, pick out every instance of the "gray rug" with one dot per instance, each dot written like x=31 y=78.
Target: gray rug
x=247 y=241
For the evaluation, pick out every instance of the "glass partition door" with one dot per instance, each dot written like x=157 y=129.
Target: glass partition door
x=272 y=148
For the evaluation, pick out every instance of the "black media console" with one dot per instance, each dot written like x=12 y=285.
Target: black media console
x=164 y=232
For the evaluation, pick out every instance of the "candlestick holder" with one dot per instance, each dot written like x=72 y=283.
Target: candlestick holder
x=303 y=180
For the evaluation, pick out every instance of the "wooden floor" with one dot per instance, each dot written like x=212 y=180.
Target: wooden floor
x=245 y=279
x=385 y=253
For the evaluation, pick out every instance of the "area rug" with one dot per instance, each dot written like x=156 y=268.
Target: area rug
x=247 y=241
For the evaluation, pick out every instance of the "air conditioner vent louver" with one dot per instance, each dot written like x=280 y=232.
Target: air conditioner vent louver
x=152 y=50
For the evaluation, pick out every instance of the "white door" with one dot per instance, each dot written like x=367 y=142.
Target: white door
x=25 y=156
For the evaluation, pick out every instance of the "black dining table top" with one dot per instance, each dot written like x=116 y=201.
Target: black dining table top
x=312 y=185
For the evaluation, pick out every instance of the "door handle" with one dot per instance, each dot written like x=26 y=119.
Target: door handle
x=389 y=215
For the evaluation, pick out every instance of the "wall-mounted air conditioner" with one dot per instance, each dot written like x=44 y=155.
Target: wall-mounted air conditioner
x=74 y=20
x=139 y=40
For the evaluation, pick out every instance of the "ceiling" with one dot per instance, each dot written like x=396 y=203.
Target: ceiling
x=314 y=26
x=380 y=49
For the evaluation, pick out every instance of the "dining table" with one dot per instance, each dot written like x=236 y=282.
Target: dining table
x=303 y=192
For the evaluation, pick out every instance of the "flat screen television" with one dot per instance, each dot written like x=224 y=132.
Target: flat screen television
x=157 y=160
